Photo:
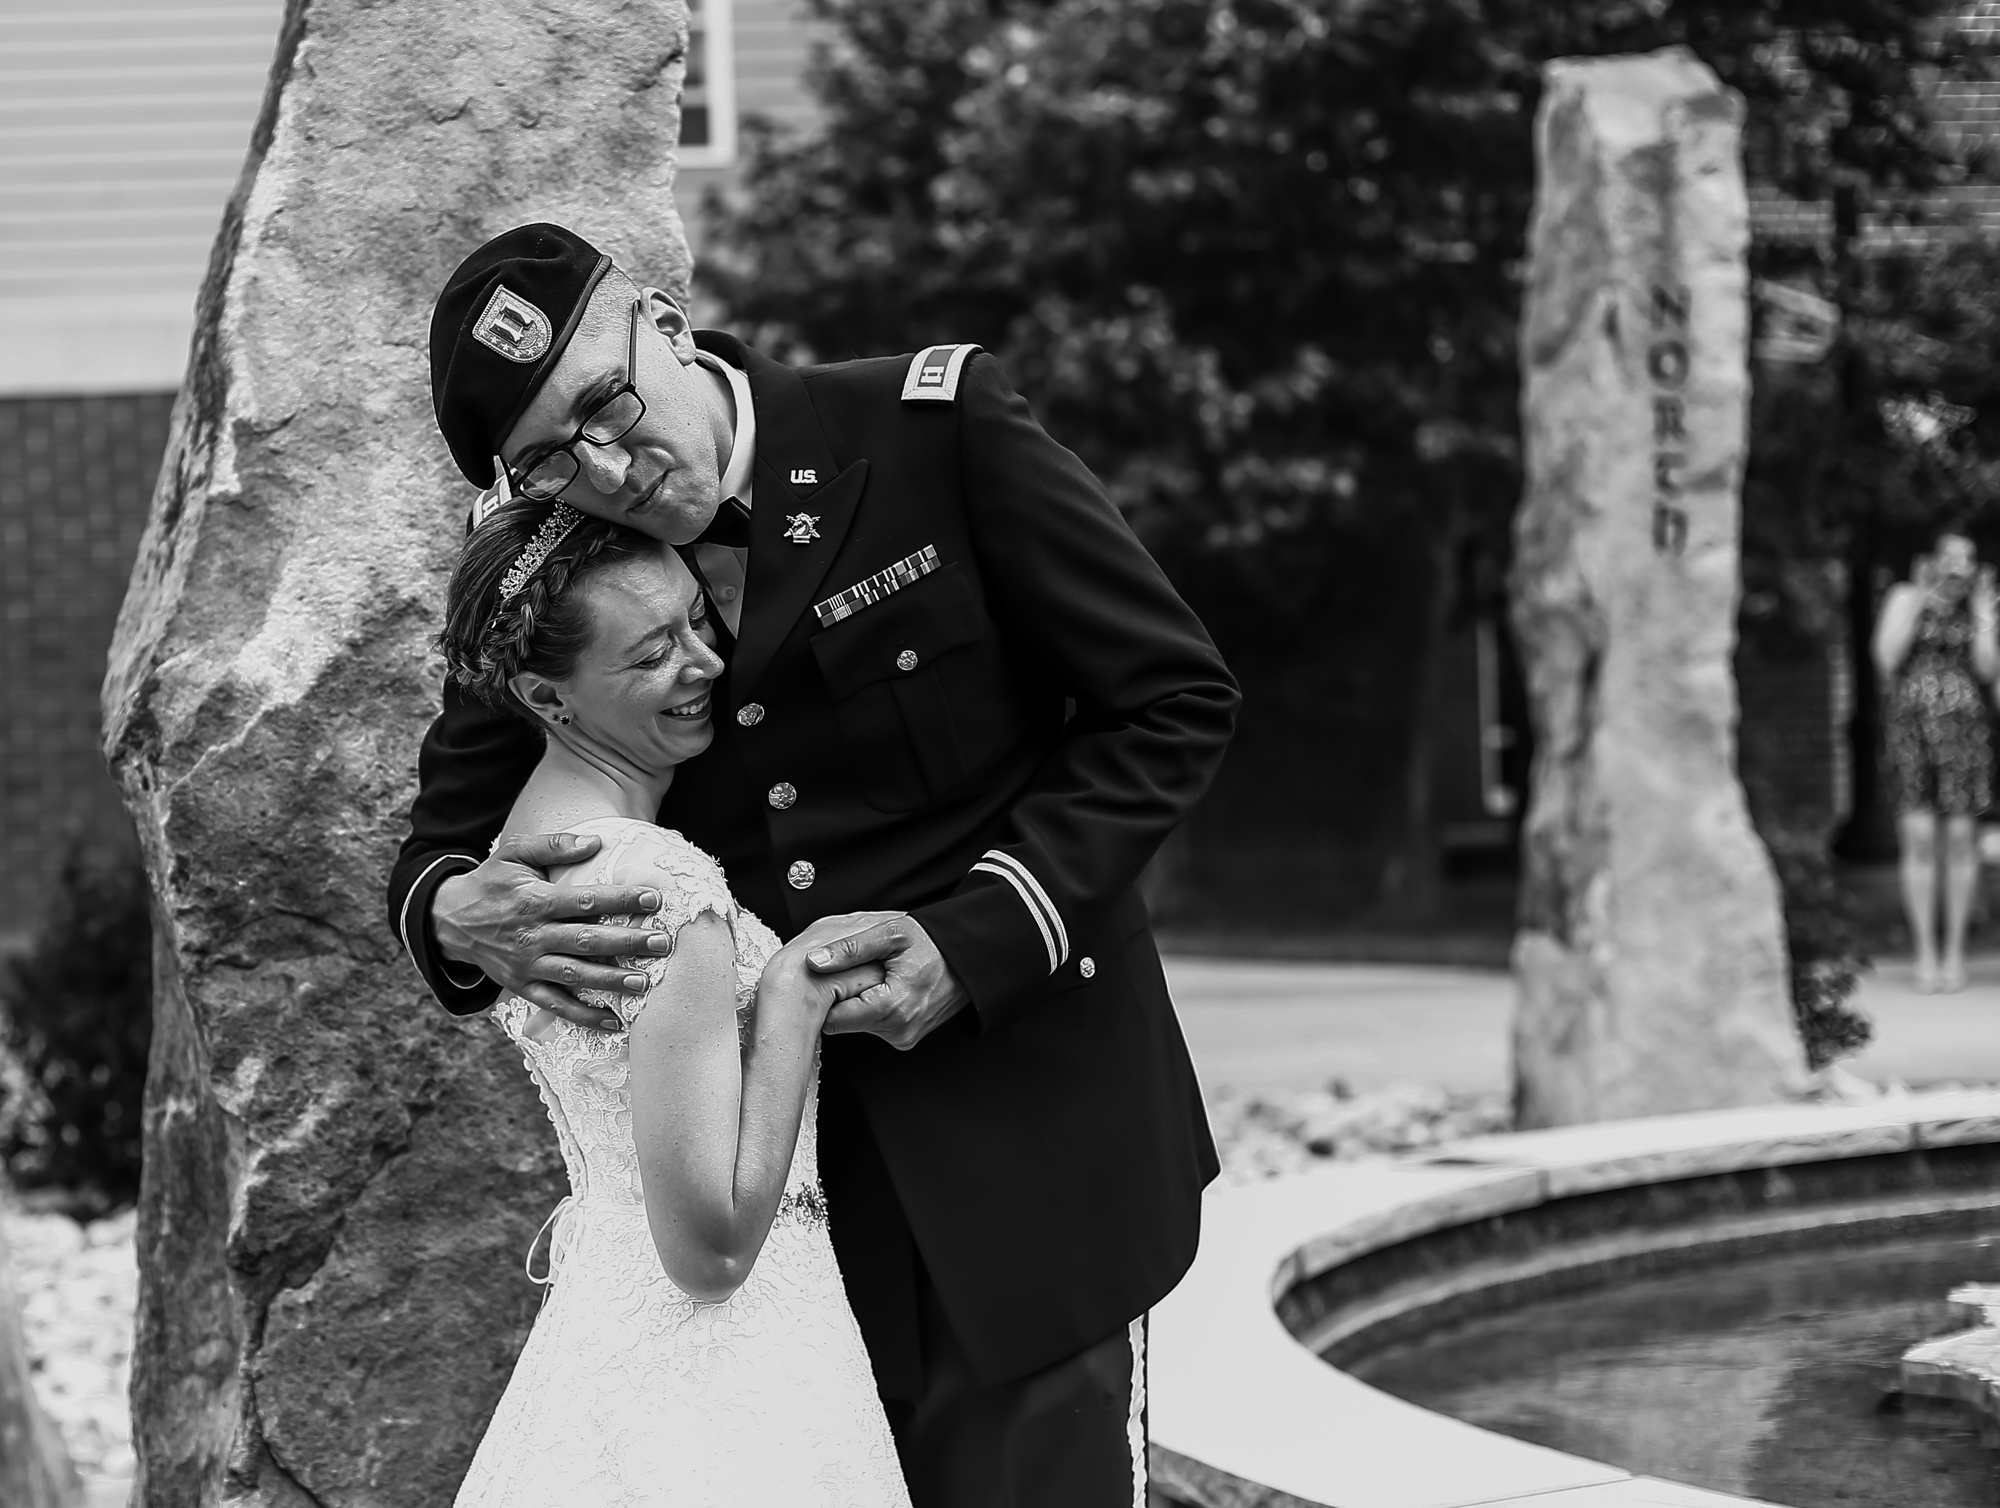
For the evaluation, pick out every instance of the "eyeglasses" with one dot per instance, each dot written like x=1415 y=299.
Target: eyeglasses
x=550 y=472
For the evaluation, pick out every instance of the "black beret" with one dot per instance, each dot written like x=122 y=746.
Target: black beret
x=498 y=330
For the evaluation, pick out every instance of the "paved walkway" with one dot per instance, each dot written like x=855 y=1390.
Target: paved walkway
x=1261 y=1025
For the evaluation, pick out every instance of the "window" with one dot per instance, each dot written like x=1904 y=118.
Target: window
x=708 y=97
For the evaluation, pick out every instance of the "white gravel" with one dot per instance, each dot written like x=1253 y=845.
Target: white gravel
x=1269 y=1133
x=79 y=1286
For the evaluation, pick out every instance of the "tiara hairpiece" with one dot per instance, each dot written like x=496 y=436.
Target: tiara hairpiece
x=562 y=518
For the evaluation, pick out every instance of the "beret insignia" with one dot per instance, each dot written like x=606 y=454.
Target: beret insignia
x=513 y=327
x=499 y=328
x=933 y=373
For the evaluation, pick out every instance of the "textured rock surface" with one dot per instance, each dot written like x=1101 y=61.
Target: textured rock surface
x=1651 y=959
x=340 y=1181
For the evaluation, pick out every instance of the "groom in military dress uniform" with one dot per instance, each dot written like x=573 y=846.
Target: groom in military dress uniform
x=958 y=688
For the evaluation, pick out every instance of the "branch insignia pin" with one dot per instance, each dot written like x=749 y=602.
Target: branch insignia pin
x=802 y=528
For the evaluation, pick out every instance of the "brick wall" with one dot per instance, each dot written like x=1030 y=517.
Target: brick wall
x=76 y=475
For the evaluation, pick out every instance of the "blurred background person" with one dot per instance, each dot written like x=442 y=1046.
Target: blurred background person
x=1936 y=650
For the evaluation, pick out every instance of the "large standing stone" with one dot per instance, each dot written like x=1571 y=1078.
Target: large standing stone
x=340 y=1181
x=1651 y=956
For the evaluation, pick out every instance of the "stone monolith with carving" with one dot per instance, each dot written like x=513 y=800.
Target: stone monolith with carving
x=1651 y=955
x=341 y=1181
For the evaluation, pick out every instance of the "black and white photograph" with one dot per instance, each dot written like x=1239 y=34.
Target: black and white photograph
x=999 y=754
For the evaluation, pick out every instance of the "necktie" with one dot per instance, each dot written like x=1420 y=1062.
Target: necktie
x=730 y=526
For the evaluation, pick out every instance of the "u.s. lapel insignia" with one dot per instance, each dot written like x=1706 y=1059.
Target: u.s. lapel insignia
x=802 y=528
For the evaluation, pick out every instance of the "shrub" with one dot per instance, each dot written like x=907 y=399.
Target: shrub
x=75 y=1012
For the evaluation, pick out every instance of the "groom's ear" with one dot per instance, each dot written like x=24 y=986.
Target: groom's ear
x=538 y=694
x=671 y=320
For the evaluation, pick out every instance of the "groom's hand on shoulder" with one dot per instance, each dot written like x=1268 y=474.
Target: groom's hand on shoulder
x=543 y=941
x=918 y=995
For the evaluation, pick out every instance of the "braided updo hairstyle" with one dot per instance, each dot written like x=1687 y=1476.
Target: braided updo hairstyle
x=543 y=629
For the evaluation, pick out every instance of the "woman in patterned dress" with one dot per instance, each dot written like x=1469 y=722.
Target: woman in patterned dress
x=1935 y=646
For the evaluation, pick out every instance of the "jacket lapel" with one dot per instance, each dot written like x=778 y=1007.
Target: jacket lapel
x=785 y=572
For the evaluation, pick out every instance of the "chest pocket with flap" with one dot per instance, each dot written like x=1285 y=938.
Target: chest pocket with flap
x=883 y=667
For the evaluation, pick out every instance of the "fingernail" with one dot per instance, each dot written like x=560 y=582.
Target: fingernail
x=636 y=983
x=820 y=958
x=609 y=1023
x=660 y=942
x=649 y=900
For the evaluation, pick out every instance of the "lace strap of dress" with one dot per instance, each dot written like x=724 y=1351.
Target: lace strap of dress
x=691 y=885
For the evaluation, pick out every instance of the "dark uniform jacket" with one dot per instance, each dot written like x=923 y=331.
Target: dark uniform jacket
x=998 y=747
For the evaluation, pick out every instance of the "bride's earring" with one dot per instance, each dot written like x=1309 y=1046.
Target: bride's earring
x=563 y=718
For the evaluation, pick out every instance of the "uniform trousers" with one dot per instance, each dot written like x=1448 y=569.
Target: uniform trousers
x=1072 y=1435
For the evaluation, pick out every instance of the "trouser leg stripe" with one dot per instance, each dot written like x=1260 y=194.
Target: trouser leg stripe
x=1135 y=1419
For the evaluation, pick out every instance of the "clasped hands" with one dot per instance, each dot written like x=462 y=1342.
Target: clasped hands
x=544 y=942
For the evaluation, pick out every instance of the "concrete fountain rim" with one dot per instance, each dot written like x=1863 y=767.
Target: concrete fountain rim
x=1242 y=1415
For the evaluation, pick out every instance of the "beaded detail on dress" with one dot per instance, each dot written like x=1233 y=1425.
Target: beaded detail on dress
x=630 y=1392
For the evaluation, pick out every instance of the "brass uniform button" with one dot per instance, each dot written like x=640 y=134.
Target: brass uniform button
x=749 y=714
x=782 y=795
x=907 y=660
x=1087 y=968
x=801 y=874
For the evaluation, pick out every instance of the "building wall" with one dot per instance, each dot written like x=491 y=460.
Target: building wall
x=76 y=474
x=770 y=43
x=122 y=129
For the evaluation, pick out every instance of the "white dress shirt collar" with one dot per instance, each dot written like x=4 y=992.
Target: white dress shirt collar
x=736 y=474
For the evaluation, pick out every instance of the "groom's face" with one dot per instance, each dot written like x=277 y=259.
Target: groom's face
x=663 y=477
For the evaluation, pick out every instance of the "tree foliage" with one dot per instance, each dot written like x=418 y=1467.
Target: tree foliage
x=76 y=1013
x=1259 y=260
x=1260 y=263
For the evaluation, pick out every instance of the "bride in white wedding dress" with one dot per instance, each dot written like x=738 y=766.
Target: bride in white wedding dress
x=696 y=1347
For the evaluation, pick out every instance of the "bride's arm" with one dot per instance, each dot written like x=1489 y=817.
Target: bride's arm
x=716 y=1124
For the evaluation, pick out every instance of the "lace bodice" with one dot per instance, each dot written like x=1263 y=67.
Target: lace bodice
x=583 y=1073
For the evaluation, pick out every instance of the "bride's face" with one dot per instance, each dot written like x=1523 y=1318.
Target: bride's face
x=640 y=690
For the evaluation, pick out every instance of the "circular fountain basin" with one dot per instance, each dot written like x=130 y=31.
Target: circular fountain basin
x=1376 y=1265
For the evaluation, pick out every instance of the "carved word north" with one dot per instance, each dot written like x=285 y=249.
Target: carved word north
x=1667 y=364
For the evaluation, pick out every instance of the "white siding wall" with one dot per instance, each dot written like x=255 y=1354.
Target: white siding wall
x=123 y=126
x=770 y=42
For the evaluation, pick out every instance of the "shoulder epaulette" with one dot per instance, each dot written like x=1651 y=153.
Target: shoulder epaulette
x=933 y=374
